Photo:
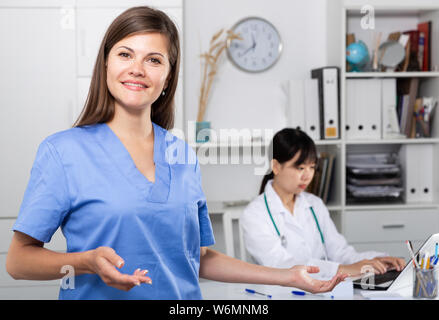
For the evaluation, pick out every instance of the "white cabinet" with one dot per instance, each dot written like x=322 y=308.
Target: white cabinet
x=37 y=92
x=91 y=26
x=390 y=225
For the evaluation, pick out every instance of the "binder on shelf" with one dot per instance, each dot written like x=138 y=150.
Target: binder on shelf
x=403 y=117
x=363 y=109
x=390 y=123
x=409 y=90
x=328 y=82
x=417 y=164
x=296 y=105
x=413 y=63
x=312 y=117
x=315 y=183
x=425 y=29
x=404 y=40
x=320 y=185
x=329 y=175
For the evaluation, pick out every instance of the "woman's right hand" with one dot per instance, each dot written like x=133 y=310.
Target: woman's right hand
x=103 y=261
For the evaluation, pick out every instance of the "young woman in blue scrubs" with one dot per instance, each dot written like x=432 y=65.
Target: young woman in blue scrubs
x=125 y=192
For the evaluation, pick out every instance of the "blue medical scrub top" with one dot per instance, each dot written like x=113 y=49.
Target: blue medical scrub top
x=85 y=181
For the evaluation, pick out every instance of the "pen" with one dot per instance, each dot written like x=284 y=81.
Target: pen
x=255 y=292
x=427 y=261
x=302 y=293
x=435 y=251
x=409 y=246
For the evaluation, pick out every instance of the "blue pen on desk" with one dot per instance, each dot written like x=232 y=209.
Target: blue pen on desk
x=255 y=292
x=302 y=293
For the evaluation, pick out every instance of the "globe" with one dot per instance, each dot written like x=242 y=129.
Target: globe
x=357 y=55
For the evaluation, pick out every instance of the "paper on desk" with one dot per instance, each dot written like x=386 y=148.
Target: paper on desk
x=381 y=295
x=344 y=290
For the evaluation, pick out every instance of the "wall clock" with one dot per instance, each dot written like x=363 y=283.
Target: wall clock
x=259 y=48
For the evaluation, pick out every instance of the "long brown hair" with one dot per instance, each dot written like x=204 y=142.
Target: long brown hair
x=99 y=106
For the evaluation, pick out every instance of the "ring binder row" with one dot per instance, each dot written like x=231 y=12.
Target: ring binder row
x=404 y=176
x=375 y=108
x=417 y=163
x=314 y=104
x=387 y=109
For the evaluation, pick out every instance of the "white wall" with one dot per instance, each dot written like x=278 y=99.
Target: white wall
x=245 y=100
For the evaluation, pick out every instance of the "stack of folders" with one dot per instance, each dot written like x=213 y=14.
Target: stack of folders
x=374 y=177
x=320 y=185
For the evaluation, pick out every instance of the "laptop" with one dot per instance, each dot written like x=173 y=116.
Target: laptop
x=394 y=280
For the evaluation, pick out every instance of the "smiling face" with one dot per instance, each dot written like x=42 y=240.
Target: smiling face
x=293 y=177
x=137 y=70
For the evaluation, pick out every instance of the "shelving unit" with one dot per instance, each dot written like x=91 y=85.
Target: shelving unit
x=416 y=220
x=431 y=74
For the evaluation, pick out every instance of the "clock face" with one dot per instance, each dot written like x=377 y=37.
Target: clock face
x=259 y=48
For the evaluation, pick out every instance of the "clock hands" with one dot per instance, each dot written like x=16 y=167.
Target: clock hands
x=253 y=46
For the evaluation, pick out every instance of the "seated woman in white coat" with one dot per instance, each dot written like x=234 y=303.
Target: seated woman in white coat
x=287 y=226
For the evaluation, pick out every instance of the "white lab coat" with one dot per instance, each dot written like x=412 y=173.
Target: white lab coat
x=304 y=244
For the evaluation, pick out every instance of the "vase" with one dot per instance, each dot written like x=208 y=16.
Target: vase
x=202 y=131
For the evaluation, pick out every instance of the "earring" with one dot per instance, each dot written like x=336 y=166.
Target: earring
x=163 y=93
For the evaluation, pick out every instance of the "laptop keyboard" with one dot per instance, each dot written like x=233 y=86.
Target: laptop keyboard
x=378 y=280
x=382 y=278
x=385 y=277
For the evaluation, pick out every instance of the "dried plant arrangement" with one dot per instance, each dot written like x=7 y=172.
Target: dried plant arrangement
x=209 y=66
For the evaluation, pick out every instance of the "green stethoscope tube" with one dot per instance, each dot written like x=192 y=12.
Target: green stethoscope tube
x=282 y=237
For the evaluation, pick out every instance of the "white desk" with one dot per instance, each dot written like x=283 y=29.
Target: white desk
x=219 y=207
x=213 y=290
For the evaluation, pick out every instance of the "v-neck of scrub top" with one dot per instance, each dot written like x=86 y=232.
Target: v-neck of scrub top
x=157 y=191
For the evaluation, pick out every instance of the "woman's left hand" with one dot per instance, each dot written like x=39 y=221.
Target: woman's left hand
x=298 y=277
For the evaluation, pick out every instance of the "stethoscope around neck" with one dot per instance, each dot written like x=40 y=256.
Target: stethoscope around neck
x=282 y=237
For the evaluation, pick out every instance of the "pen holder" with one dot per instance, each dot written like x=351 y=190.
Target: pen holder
x=425 y=283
